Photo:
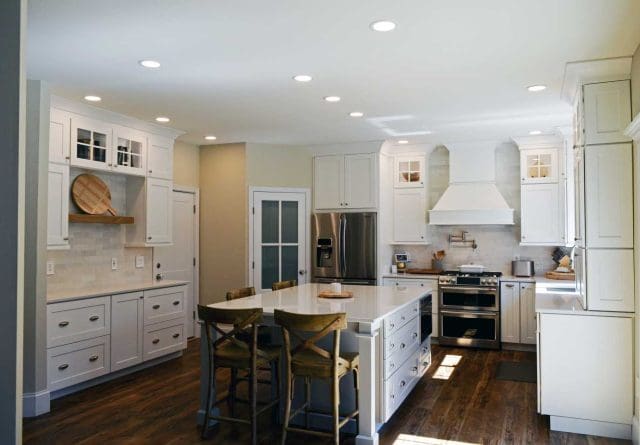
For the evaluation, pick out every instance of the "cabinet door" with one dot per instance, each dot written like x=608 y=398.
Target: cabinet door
x=539 y=166
x=159 y=211
x=58 y=206
x=610 y=280
x=609 y=196
x=328 y=182
x=90 y=144
x=126 y=330
x=129 y=153
x=360 y=181
x=409 y=172
x=542 y=216
x=59 y=132
x=528 y=323
x=510 y=312
x=410 y=216
x=578 y=177
x=160 y=157
x=607 y=112
x=579 y=265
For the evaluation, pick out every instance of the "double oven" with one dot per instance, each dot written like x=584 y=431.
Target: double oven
x=469 y=309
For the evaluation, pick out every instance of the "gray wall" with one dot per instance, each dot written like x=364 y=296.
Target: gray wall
x=12 y=89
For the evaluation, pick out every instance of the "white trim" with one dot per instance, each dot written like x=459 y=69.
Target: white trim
x=591 y=71
x=633 y=130
x=307 y=198
x=590 y=427
x=36 y=403
x=635 y=431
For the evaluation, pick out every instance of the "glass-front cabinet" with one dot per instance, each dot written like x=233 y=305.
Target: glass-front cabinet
x=130 y=147
x=90 y=144
x=539 y=166
x=409 y=171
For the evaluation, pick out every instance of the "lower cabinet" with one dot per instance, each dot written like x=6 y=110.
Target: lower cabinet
x=77 y=362
x=421 y=282
x=517 y=312
x=126 y=327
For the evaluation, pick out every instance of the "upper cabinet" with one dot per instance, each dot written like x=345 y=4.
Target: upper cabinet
x=409 y=171
x=539 y=166
x=607 y=112
x=410 y=216
x=343 y=182
x=160 y=163
x=59 y=132
x=58 y=207
x=130 y=151
x=90 y=143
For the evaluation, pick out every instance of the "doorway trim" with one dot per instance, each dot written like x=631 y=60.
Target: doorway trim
x=250 y=215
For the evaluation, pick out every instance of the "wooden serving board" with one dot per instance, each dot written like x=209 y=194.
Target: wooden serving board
x=424 y=271
x=331 y=294
x=568 y=276
x=91 y=195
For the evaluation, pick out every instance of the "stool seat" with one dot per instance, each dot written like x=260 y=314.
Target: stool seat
x=309 y=364
x=231 y=355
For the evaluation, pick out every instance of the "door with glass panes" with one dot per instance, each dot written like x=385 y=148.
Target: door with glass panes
x=279 y=238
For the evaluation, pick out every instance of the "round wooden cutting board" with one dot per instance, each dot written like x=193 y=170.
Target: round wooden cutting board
x=91 y=195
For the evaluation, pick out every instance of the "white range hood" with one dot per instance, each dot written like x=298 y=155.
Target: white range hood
x=472 y=197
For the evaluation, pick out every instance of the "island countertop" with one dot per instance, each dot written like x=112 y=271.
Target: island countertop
x=369 y=304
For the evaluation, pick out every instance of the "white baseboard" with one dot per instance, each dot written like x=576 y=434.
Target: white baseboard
x=591 y=427
x=36 y=403
x=635 y=431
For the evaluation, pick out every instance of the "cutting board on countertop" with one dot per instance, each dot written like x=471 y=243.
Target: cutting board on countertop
x=424 y=271
x=567 y=276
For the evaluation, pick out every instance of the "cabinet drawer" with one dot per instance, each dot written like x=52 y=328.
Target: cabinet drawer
x=406 y=342
x=163 y=304
x=77 y=362
x=400 y=384
x=399 y=318
x=425 y=358
x=406 y=335
x=78 y=320
x=162 y=339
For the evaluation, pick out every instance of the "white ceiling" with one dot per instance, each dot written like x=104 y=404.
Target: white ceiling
x=458 y=68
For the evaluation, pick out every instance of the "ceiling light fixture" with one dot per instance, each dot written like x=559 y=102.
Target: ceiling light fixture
x=403 y=141
x=536 y=88
x=332 y=98
x=162 y=119
x=93 y=98
x=356 y=114
x=302 y=78
x=150 y=63
x=210 y=138
x=535 y=132
x=383 y=26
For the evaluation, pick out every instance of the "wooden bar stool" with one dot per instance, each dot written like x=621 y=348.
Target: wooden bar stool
x=241 y=293
x=309 y=361
x=284 y=284
x=230 y=352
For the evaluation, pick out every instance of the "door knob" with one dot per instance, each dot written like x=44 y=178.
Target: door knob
x=302 y=272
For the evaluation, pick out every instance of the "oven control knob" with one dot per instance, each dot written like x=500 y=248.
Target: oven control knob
x=483 y=281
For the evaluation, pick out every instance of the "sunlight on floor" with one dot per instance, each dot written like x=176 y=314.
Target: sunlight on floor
x=447 y=366
x=409 y=439
x=451 y=360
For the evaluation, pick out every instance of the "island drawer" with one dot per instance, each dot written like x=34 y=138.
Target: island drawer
x=425 y=357
x=404 y=335
x=77 y=362
x=78 y=320
x=164 y=304
x=406 y=343
x=399 y=318
x=162 y=339
x=400 y=385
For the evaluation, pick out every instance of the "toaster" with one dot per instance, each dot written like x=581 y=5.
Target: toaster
x=522 y=268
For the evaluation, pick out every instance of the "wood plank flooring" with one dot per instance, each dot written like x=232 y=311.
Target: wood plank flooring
x=158 y=406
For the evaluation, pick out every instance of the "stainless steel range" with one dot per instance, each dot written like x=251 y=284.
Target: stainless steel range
x=470 y=309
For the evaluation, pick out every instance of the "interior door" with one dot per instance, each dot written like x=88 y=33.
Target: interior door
x=279 y=238
x=177 y=261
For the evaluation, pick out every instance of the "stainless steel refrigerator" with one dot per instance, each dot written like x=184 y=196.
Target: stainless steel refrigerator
x=344 y=248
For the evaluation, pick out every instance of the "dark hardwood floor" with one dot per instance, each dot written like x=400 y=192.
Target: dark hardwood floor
x=158 y=406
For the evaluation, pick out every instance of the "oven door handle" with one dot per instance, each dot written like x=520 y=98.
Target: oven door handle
x=469 y=290
x=468 y=314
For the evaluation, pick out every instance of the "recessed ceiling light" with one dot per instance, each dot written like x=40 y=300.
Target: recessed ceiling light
x=403 y=141
x=535 y=132
x=302 y=78
x=150 y=63
x=356 y=114
x=162 y=119
x=332 y=98
x=383 y=26
x=534 y=88
x=93 y=98
x=210 y=138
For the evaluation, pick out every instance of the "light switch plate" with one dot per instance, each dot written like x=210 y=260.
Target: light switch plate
x=51 y=268
x=139 y=261
x=114 y=264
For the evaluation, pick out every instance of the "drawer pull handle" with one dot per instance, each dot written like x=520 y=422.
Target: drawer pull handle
x=392 y=325
x=176 y=335
x=94 y=318
x=175 y=303
x=402 y=346
x=93 y=358
x=415 y=369
x=393 y=396
x=62 y=324
x=392 y=345
x=155 y=341
x=392 y=365
x=402 y=318
x=156 y=306
x=415 y=335
x=402 y=383
x=63 y=367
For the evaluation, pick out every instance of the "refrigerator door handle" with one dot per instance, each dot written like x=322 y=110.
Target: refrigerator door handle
x=343 y=253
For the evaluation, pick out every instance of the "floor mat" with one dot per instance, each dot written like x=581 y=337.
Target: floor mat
x=517 y=371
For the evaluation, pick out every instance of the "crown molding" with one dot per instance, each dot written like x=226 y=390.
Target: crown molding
x=577 y=74
x=633 y=130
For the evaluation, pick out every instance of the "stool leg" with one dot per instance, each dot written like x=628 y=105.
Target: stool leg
x=335 y=387
x=275 y=390
x=307 y=401
x=231 y=398
x=253 y=395
x=356 y=384
x=210 y=390
x=287 y=406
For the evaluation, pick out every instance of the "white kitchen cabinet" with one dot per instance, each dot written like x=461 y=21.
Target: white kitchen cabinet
x=509 y=312
x=607 y=112
x=431 y=283
x=579 y=215
x=610 y=280
x=609 y=196
x=91 y=144
x=345 y=182
x=542 y=215
x=528 y=325
x=539 y=166
x=160 y=157
x=58 y=207
x=126 y=330
x=410 y=216
x=409 y=171
x=130 y=149
x=150 y=202
x=59 y=133
x=75 y=363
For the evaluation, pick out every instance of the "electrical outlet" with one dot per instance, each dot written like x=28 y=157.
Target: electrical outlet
x=51 y=268
x=139 y=261
x=114 y=264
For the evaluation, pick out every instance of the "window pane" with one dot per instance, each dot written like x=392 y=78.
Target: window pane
x=270 y=222
x=415 y=166
x=289 y=222
x=289 y=263
x=270 y=260
x=99 y=154
x=82 y=151
x=403 y=166
x=100 y=139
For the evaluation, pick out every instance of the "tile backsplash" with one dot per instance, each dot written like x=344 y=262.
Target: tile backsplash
x=92 y=246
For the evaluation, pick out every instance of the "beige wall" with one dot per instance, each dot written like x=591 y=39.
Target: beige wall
x=279 y=166
x=223 y=222
x=186 y=164
x=635 y=83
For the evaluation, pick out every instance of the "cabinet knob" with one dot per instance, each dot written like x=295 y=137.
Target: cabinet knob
x=66 y=238
x=346 y=203
x=149 y=237
x=63 y=324
x=175 y=303
x=150 y=171
x=94 y=318
x=63 y=367
x=67 y=158
x=155 y=341
x=93 y=358
x=156 y=306
x=176 y=335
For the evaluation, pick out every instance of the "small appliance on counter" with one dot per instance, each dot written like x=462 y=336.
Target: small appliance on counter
x=522 y=268
x=402 y=261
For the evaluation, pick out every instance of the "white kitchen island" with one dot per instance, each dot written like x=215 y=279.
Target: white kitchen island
x=384 y=326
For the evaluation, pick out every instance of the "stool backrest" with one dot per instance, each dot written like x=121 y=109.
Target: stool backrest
x=284 y=284
x=241 y=293
x=240 y=319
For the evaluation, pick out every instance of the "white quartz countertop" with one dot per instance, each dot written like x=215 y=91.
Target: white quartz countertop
x=409 y=276
x=569 y=304
x=76 y=294
x=541 y=280
x=368 y=304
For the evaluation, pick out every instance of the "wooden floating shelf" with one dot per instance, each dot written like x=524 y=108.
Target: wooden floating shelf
x=99 y=219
